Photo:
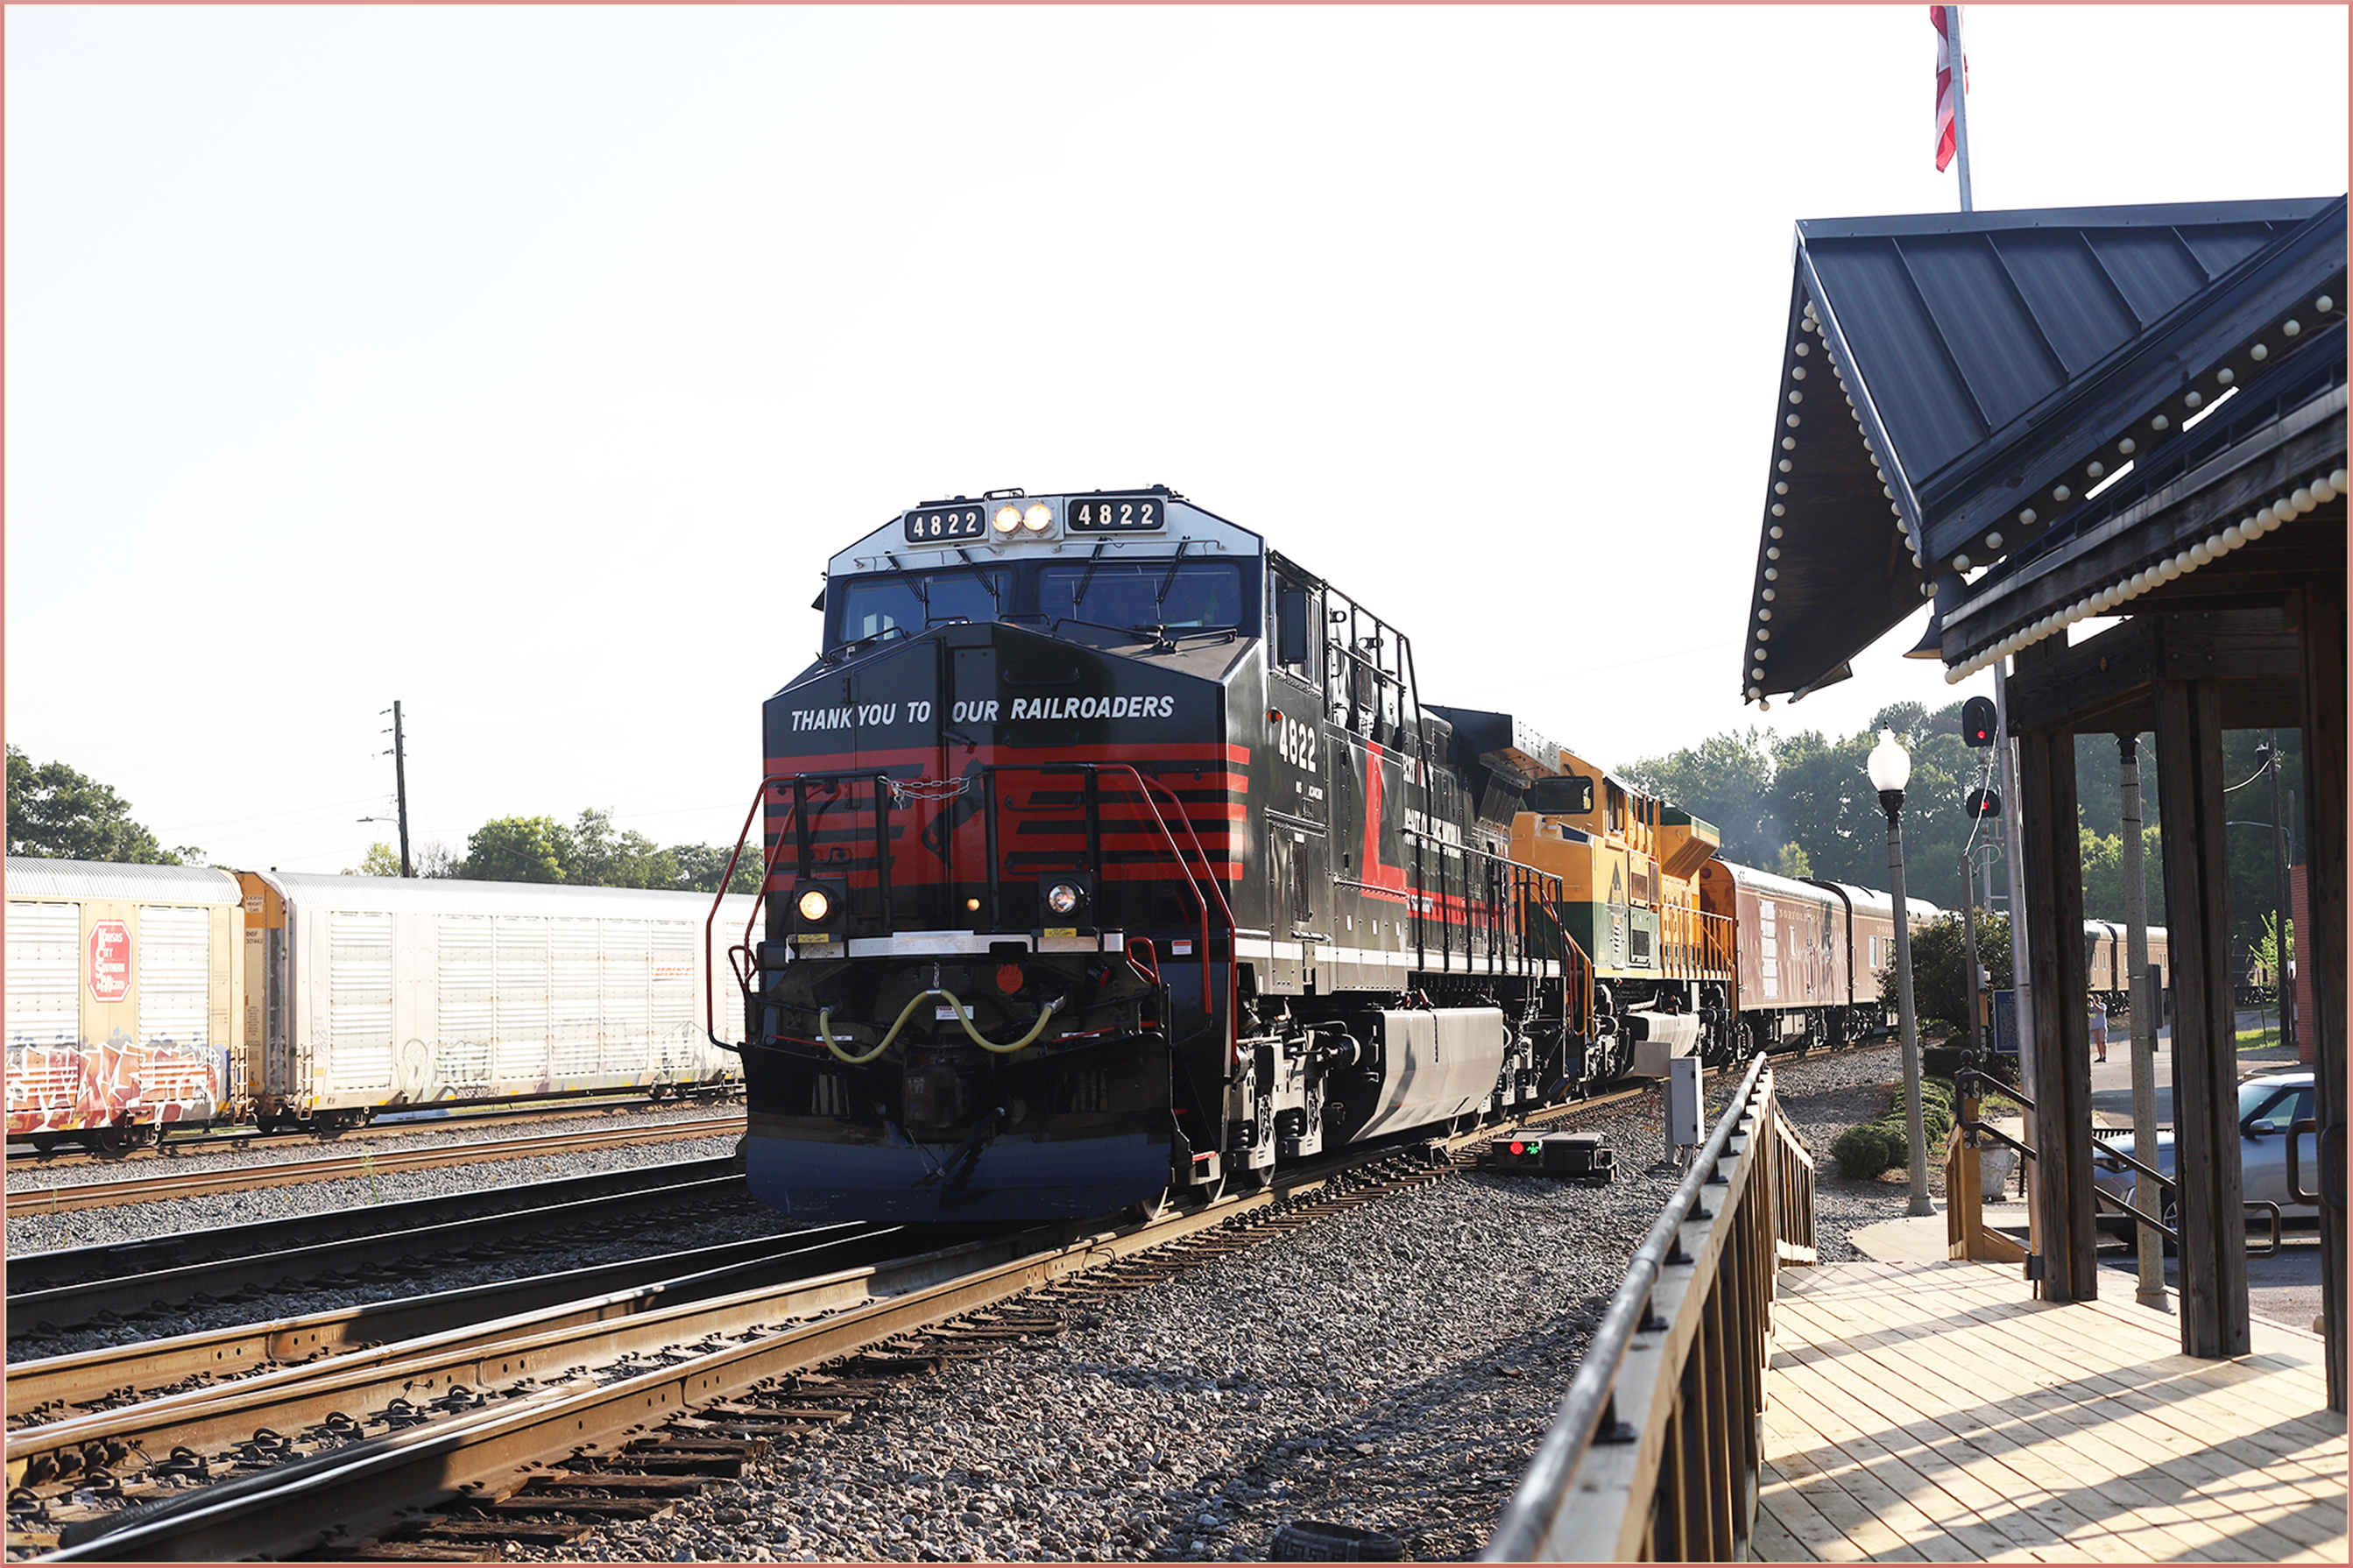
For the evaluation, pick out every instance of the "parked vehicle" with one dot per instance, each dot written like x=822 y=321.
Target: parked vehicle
x=2271 y=1104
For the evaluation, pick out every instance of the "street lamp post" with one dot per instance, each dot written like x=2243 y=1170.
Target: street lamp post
x=1890 y=766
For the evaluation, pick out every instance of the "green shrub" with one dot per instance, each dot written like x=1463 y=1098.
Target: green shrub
x=1943 y=1061
x=1863 y=1152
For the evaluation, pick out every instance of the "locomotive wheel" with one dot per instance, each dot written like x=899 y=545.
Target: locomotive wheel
x=44 y=1143
x=1151 y=1208
x=123 y=1140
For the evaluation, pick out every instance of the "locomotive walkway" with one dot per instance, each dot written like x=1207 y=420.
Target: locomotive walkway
x=1920 y=1409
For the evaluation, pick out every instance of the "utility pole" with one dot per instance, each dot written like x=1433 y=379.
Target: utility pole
x=400 y=783
x=2142 y=989
x=2280 y=933
x=1969 y=939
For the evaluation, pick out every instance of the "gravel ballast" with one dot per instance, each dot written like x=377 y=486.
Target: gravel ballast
x=1393 y=1369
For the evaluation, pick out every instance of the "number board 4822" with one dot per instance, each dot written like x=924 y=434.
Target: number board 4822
x=946 y=522
x=1116 y=514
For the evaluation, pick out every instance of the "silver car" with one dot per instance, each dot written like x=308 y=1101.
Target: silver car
x=2269 y=1104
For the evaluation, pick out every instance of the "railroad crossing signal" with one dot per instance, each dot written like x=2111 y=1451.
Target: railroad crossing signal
x=1982 y=802
x=1976 y=722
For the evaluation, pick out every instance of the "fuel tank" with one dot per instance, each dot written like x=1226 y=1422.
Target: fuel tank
x=1434 y=1064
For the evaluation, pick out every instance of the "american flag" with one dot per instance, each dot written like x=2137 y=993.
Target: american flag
x=1937 y=15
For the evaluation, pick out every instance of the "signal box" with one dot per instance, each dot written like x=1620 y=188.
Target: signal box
x=1577 y=1156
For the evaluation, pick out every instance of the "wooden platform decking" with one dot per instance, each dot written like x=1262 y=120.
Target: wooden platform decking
x=1935 y=1412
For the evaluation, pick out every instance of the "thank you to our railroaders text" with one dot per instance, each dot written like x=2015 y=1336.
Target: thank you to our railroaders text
x=882 y=715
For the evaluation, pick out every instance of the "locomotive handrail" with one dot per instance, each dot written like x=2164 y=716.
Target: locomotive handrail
x=798 y=818
x=1144 y=790
x=719 y=900
x=1581 y=1022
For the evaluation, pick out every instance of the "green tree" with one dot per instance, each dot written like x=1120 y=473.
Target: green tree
x=515 y=850
x=700 y=866
x=593 y=856
x=2103 y=874
x=1940 y=966
x=1726 y=780
x=1793 y=862
x=56 y=813
x=1820 y=790
x=381 y=860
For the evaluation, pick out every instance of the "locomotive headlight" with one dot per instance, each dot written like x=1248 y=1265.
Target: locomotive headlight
x=1036 y=517
x=815 y=905
x=1064 y=897
x=1007 y=519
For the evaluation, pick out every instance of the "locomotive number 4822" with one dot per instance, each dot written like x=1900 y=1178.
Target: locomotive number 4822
x=1116 y=514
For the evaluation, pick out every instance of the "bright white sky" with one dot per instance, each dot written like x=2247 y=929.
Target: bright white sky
x=526 y=364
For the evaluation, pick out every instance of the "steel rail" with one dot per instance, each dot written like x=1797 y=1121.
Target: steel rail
x=176 y=1139
x=416 y=1250
x=549 y=1344
x=108 y=1259
x=753 y=1337
x=153 y=1367
x=474 y=1449
x=25 y=1201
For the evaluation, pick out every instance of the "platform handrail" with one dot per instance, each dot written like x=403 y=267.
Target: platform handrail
x=1655 y=1456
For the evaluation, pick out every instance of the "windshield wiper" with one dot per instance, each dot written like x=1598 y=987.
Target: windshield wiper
x=1160 y=595
x=996 y=600
x=1088 y=576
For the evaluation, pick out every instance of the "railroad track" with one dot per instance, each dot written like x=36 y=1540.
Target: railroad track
x=538 y=1425
x=49 y=1299
x=180 y=1183
x=539 y=1428
x=175 y=1143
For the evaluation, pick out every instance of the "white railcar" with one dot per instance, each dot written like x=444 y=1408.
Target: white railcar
x=144 y=996
x=122 y=1001
x=381 y=994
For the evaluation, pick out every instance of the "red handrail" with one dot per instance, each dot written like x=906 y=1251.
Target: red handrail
x=768 y=868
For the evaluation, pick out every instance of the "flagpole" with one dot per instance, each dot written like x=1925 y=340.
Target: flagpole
x=2012 y=822
x=1960 y=102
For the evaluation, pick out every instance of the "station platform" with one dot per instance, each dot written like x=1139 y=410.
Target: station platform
x=1921 y=1409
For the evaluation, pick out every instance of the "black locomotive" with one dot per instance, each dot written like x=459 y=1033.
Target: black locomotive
x=1111 y=854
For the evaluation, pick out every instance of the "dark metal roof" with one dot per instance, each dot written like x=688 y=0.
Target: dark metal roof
x=1961 y=378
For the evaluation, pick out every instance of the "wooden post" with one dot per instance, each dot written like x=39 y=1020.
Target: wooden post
x=2053 y=861
x=1963 y=1207
x=2320 y=952
x=2212 y=1223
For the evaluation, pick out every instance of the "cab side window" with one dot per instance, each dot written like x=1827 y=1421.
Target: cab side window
x=1298 y=625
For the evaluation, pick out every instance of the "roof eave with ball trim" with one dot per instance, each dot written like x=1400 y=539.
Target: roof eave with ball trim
x=1960 y=392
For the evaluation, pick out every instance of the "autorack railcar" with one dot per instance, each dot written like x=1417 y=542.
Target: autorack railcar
x=146 y=997
x=125 y=994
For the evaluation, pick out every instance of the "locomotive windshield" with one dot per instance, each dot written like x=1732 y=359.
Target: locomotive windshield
x=1144 y=593
x=1168 y=593
x=913 y=600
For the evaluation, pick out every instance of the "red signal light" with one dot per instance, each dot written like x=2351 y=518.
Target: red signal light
x=1518 y=1147
x=1009 y=978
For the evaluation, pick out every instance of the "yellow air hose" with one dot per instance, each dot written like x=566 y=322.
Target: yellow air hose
x=825 y=1028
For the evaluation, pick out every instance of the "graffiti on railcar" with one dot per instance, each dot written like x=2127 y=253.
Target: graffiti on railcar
x=61 y=1088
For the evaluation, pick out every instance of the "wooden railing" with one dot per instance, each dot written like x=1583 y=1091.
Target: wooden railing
x=1655 y=1452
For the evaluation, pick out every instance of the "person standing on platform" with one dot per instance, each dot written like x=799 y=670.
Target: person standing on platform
x=2097 y=1016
